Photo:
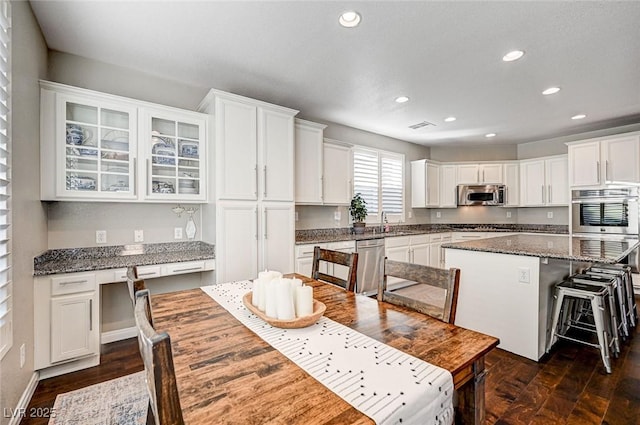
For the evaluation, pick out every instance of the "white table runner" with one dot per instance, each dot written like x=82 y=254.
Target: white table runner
x=384 y=383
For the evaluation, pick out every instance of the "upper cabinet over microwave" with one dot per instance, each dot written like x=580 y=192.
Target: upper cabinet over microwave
x=605 y=161
x=99 y=147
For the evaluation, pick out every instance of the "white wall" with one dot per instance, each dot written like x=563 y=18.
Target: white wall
x=29 y=57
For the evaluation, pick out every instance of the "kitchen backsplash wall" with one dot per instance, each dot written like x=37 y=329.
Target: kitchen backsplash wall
x=74 y=224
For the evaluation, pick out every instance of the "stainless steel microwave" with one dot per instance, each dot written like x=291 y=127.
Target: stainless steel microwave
x=481 y=194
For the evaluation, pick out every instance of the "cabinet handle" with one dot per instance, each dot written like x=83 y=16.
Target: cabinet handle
x=322 y=188
x=264 y=222
x=256 y=213
x=91 y=314
x=549 y=193
x=146 y=274
x=264 y=183
x=255 y=169
x=188 y=269
x=73 y=282
x=482 y=176
x=606 y=170
x=543 y=194
x=598 y=170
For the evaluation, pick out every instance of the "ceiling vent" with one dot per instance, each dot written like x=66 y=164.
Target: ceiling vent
x=422 y=124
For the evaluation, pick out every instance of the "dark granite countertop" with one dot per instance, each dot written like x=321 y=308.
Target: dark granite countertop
x=344 y=234
x=71 y=260
x=563 y=247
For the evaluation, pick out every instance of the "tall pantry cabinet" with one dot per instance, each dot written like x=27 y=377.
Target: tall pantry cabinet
x=254 y=189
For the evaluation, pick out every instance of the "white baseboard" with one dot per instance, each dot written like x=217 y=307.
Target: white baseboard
x=23 y=403
x=118 y=335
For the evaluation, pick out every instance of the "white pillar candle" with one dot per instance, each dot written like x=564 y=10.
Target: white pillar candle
x=295 y=283
x=262 y=298
x=255 y=293
x=304 y=301
x=271 y=302
x=284 y=300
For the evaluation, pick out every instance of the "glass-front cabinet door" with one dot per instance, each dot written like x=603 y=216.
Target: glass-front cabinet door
x=99 y=153
x=175 y=151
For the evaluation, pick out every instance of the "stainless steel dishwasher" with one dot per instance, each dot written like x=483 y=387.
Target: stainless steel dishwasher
x=370 y=265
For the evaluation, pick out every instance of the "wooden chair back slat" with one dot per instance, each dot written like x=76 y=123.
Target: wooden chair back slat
x=350 y=260
x=155 y=349
x=449 y=280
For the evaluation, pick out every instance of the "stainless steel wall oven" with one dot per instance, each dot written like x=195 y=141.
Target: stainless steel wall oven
x=605 y=211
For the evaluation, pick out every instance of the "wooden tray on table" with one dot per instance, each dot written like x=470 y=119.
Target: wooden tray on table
x=299 y=322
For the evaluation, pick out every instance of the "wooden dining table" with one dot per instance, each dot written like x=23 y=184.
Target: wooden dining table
x=226 y=374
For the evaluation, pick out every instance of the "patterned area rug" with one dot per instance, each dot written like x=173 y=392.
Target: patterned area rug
x=117 y=402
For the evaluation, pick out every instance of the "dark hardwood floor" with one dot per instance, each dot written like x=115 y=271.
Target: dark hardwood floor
x=569 y=386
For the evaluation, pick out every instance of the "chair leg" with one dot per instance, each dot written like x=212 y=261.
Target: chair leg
x=557 y=307
x=150 y=418
x=598 y=316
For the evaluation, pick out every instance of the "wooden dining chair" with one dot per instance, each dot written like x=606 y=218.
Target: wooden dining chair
x=422 y=290
x=155 y=349
x=134 y=284
x=349 y=260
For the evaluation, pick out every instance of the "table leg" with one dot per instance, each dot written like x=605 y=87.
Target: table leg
x=471 y=397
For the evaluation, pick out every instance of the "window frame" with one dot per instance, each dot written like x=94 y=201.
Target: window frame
x=375 y=218
x=6 y=259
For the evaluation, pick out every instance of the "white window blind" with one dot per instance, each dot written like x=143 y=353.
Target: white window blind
x=6 y=301
x=379 y=177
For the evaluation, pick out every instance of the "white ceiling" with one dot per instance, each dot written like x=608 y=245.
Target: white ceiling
x=446 y=56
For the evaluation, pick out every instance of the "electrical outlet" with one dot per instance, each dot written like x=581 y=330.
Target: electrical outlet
x=438 y=214
x=23 y=355
x=524 y=274
x=337 y=215
x=410 y=214
x=549 y=214
x=101 y=236
x=177 y=233
x=138 y=236
x=508 y=214
x=296 y=215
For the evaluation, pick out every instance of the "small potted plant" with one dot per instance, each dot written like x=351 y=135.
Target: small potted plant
x=358 y=211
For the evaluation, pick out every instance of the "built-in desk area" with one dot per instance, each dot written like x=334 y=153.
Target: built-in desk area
x=80 y=299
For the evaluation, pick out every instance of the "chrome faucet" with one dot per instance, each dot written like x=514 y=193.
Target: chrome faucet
x=382 y=216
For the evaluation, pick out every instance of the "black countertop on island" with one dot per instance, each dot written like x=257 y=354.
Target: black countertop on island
x=71 y=260
x=563 y=247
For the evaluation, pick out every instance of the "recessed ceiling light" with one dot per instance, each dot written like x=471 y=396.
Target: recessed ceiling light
x=551 y=90
x=488 y=135
x=402 y=99
x=450 y=119
x=349 y=19
x=578 y=117
x=513 y=56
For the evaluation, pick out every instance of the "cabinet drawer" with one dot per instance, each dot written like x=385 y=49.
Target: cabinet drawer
x=303 y=251
x=146 y=272
x=396 y=241
x=342 y=246
x=186 y=267
x=419 y=239
x=120 y=275
x=73 y=283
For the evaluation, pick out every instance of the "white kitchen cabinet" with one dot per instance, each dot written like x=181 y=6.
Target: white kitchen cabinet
x=544 y=182
x=66 y=319
x=175 y=153
x=448 y=186
x=99 y=147
x=408 y=249
x=277 y=237
x=419 y=249
x=309 y=162
x=304 y=258
x=479 y=173
x=425 y=184
x=436 y=253
x=605 y=160
x=337 y=174
x=254 y=148
x=511 y=179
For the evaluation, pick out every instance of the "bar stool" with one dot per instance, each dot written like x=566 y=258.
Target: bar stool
x=632 y=310
x=611 y=283
x=596 y=296
x=622 y=306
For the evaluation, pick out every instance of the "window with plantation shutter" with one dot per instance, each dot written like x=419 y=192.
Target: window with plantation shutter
x=379 y=177
x=6 y=302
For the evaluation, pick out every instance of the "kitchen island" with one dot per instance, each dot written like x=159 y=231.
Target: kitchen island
x=506 y=283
